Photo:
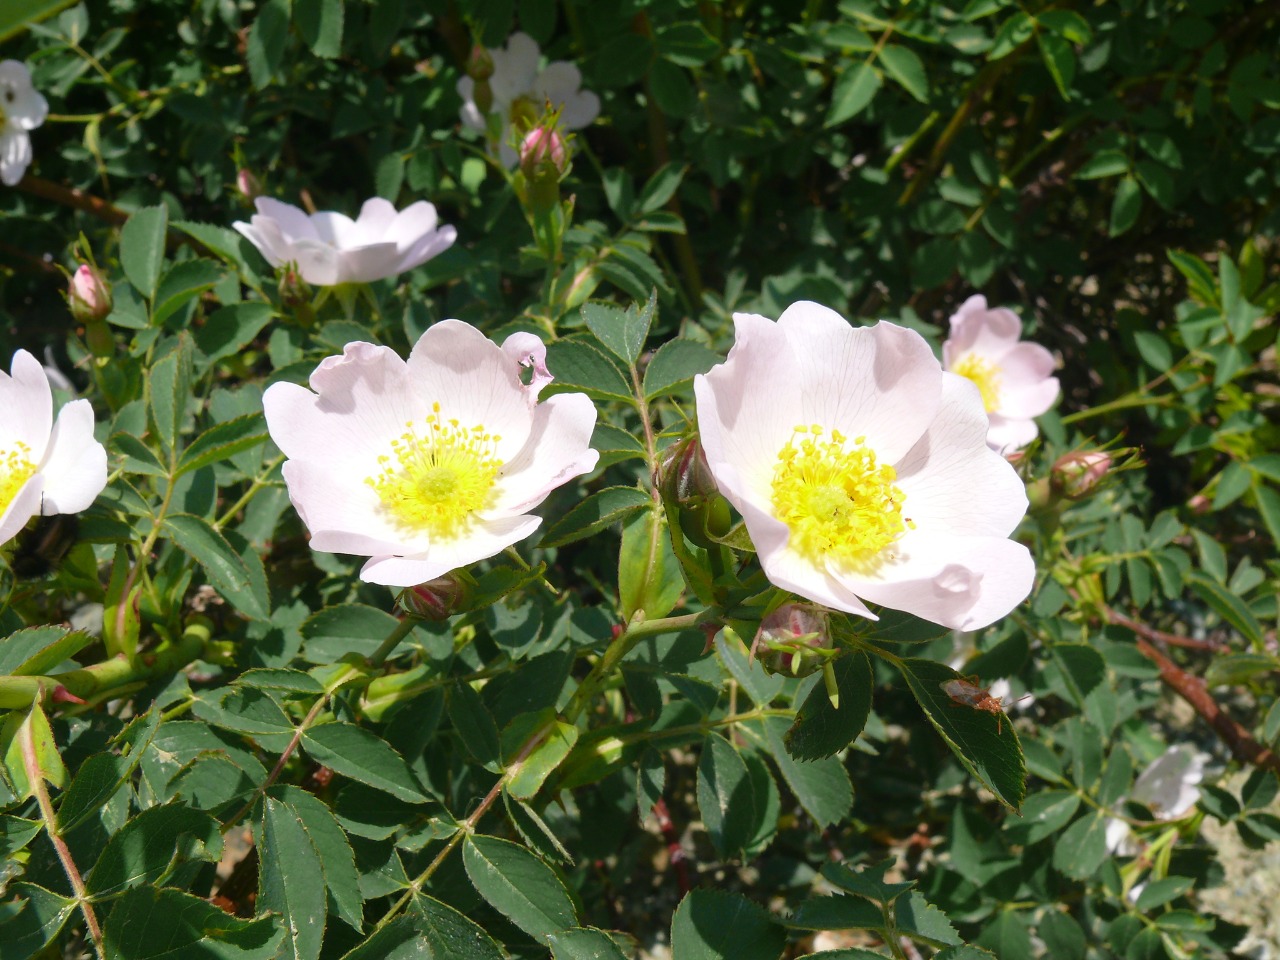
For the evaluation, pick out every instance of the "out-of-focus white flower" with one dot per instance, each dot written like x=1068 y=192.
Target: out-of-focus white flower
x=46 y=466
x=1002 y=690
x=861 y=469
x=1015 y=379
x=22 y=109
x=521 y=93
x=1169 y=787
x=331 y=248
x=432 y=464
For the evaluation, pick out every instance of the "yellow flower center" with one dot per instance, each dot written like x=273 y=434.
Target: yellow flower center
x=16 y=469
x=524 y=113
x=435 y=482
x=985 y=374
x=837 y=501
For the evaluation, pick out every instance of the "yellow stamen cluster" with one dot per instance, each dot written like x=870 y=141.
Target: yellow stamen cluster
x=524 y=112
x=16 y=469
x=985 y=374
x=838 y=502
x=435 y=482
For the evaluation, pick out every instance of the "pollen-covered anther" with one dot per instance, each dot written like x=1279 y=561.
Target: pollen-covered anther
x=435 y=481
x=839 y=503
x=984 y=374
x=16 y=469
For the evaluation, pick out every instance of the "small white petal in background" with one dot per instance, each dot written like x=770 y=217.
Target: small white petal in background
x=1169 y=787
x=427 y=465
x=1014 y=378
x=46 y=466
x=521 y=90
x=22 y=109
x=862 y=469
x=330 y=248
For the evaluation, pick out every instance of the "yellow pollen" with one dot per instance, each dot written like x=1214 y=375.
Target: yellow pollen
x=524 y=112
x=838 y=503
x=985 y=374
x=436 y=481
x=16 y=469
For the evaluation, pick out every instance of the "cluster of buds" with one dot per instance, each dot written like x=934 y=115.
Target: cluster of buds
x=89 y=297
x=480 y=69
x=544 y=154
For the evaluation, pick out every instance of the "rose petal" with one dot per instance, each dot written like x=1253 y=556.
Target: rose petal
x=27 y=403
x=24 y=505
x=484 y=541
x=75 y=464
x=557 y=450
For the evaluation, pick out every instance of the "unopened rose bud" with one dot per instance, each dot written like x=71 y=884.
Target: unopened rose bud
x=436 y=599
x=249 y=186
x=684 y=474
x=1076 y=475
x=543 y=154
x=294 y=291
x=88 y=295
x=480 y=63
x=795 y=639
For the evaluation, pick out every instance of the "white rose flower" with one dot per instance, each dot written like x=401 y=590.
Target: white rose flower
x=47 y=466
x=1169 y=787
x=861 y=469
x=331 y=248
x=22 y=109
x=521 y=90
x=432 y=464
x=1015 y=379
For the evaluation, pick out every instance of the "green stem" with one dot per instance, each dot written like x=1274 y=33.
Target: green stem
x=1123 y=403
x=402 y=630
x=35 y=777
x=254 y=488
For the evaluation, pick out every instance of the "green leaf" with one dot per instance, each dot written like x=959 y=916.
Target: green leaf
x=584 y=943
x=356 y=753
x=676 y=363
x=226 y=569
x=1080 y=850
x=1043 y=815
x=289 y=866
x=550 y=752
x=42 y=915
x=231 y=329
x=1239 y=668
x=622 y=331
x=579 y=365
x=866 y=882
x=474 y=724
x=1060 y=60
x=34 y=651
x=267 y=37
x=659 y=189
x=1228 y=606
x=1082 y=668
x=906 y=67
x=222 y=442
x=165 y=924
x=820 y=729
x=821 y=786
x=855 y=88
x=1159 y=892
x=142 y=248
x=330 y=844
x=145 y=848
x=602 y=509
x=184 y=282
x=687 y=44
x=244 y=710
x=1200 y=280
x=99 y=777
x=451 y=933
x=1126 y=206
x=170 y=382
x=1154 y=349
x=725 y=797
x=895 y=626
x=519 y=886
x=648 y=573
x=1269 y=506
x=760 y=686
x=319 y=22
x=1063 y=935
x=986 y=745
x=346 y=628
x=138 y=457
x=718 y=925
x=1104 y=163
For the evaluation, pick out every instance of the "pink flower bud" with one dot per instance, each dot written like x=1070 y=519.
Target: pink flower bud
x=1076 y=475
x=544 y=154
x=249 y=186
x=294 y=291
x=790 y=639
x=88 y=295
x=480 y=63
x=437 y=599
